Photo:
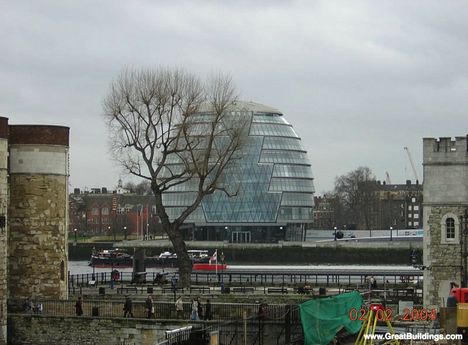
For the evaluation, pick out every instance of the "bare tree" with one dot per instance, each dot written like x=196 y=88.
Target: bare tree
x=141 y=188
x=356 y=192
x=168 y=127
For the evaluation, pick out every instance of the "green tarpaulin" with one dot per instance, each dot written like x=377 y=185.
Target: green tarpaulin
x=323 y=318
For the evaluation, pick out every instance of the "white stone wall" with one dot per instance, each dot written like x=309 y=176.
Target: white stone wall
x=38 y=159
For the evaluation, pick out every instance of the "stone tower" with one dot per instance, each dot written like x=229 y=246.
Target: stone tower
x=38 y=213
x=3 y=227
x=445 y=198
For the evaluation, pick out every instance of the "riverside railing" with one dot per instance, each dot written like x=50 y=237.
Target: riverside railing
x=252 y=278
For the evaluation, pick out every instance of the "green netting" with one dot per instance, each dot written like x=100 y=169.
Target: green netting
x=323 y=318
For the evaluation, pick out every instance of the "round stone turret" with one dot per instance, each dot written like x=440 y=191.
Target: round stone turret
x=38 y=211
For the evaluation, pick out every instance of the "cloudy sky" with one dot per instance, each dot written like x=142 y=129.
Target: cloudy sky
x=359 y=80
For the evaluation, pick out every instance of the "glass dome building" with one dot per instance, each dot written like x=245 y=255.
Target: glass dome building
x=275 y=193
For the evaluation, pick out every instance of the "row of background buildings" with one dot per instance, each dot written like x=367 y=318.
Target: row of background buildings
x=122 y=212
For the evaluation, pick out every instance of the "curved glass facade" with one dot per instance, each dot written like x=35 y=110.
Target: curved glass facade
x=273 y=180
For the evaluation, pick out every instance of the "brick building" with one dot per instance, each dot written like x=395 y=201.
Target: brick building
x=398 y=206
x=112 y=213
x=392 y=205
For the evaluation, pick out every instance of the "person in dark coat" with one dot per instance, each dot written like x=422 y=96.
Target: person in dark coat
x=208 y=313
x=200 y=309
x=79 y=307
x=149 y=307
x=128 y=307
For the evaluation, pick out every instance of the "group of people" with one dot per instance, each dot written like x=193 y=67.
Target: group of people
x=372 y=282
x=198 y=311
x=30 y=307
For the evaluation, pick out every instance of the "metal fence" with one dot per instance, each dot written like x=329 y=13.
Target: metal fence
x=248 y=330
x=231 y=323
x=252 y=278
x=162 y=309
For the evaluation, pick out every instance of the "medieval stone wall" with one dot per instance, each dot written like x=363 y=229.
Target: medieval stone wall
x=37 y=330
x=45 y=330
x=37 y=241
x=3 y=228
x=445 y=196
x=38 y=212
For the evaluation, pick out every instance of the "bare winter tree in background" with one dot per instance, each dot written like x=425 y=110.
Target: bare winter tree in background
x=158 y=134
x=356 y=193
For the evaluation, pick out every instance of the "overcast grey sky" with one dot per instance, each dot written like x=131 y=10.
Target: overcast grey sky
x=359 y=80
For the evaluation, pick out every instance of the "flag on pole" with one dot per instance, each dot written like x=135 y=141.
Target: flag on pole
x=214 y=257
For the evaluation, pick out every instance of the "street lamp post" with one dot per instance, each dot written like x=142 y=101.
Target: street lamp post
x=108 y=230
x=391 y=233
x=125 y=232
x=335 y=231
x=222 y=267
x=74 y=243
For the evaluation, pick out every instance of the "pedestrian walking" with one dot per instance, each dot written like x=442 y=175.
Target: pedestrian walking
x=208 y=313
x=179 y=305
x=128 y=307
x=194 y=315
x=149 y=306
x=200 y=309
x=79 y=307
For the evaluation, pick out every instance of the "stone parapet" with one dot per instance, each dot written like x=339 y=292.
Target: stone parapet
x=39 y=135
x=3 y=127
x=445 y=151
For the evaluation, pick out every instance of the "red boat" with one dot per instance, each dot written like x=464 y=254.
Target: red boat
x=209 y=267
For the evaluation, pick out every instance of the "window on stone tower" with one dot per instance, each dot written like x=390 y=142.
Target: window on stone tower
x=62 y=270
x=450 y=228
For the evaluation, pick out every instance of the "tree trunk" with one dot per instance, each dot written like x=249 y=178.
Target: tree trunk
x=184 y=261
x=175 y=236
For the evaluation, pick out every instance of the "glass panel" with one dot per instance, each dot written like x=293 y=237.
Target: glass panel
x=281 y=143
x=295 y=213
x=277 y=156
x=281 y=170
x=196 y=216
x=269 y=118
x=291 y=185
x=178 y=199
x=297 y=199
x=272 y=129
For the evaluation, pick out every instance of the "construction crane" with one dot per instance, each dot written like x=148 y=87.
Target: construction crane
x=412 y=163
